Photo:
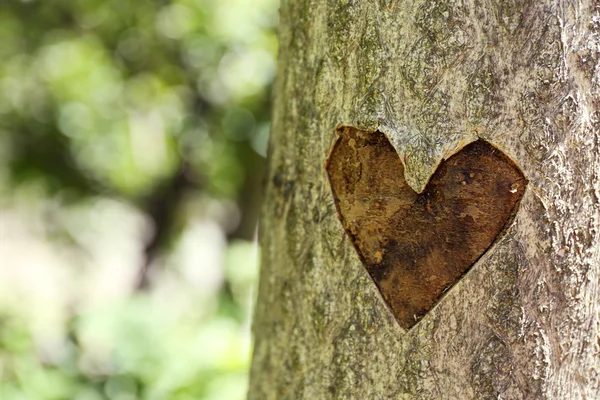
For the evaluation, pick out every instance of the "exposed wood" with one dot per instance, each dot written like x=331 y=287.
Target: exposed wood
x=416 y=246
x=434 y=76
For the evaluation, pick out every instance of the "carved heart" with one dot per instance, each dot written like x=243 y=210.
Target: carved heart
x=416 y=246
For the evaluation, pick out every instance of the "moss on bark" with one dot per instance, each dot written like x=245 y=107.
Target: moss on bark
x=435 y=76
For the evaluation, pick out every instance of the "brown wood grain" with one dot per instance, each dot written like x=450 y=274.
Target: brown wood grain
x=416 y=246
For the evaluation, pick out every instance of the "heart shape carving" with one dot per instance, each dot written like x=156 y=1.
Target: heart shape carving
x=416 y=246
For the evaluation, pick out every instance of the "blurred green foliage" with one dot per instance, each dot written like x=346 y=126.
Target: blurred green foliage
x=162 y=105
x=138 y=348
x=111 y=95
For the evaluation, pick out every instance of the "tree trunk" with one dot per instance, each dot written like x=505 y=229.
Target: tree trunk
x=433 y=76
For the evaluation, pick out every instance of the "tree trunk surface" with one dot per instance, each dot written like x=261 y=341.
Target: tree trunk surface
x=434 y=76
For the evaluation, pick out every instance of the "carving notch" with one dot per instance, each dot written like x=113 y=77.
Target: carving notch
x=416 y=246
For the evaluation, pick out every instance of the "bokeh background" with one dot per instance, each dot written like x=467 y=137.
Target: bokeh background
x=132 y=145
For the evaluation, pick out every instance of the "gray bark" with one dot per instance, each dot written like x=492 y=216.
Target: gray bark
x=433 y=76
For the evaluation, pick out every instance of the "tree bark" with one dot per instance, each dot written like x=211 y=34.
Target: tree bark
x=434 y=76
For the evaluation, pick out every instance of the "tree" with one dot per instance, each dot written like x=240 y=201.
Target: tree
x=433 y=77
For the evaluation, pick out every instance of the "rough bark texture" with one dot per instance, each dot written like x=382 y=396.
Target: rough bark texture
x=434 y=76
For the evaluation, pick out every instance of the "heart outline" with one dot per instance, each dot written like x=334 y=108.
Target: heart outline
x=413 y=274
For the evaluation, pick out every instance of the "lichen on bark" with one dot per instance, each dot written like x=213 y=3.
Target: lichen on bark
x=434 y=76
